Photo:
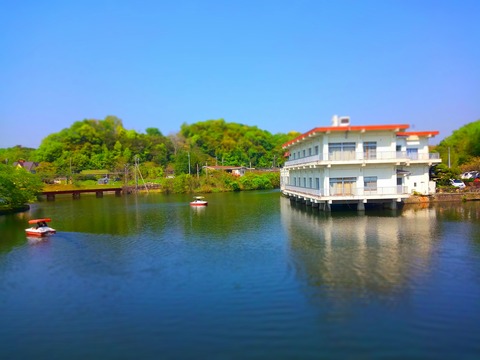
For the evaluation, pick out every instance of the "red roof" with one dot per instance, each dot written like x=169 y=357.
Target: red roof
x=418 y=133
x=359 y=128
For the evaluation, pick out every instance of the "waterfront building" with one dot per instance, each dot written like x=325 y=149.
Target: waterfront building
x=358 y=165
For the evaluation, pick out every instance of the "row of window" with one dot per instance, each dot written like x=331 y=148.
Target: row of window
x=346 y=150
x=369 y=182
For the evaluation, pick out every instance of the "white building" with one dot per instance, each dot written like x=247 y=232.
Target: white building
x=345 y=164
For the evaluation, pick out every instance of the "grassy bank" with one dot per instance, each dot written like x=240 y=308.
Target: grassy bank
x=185 y=183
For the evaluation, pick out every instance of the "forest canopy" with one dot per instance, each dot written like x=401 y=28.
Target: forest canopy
x=462 y=148
x=92 y=144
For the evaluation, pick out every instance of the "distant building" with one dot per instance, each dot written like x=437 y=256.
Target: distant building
x=235 y=170
x=30 y=166
x=358 y=165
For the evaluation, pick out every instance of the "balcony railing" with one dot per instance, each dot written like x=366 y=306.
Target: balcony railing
x=364 y=156
x=307 y=159
x=350 y=191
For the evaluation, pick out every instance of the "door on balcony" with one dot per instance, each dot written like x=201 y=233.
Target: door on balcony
x=341 y=151
x=370 y=150
x=412 y=153
x=399 y=184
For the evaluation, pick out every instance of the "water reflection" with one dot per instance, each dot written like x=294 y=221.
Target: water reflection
x=365 y=255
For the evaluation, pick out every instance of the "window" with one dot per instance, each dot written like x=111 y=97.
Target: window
x=370 y=149
x=412 y=153
x=317 y=183
x=310 y=184
x=309 y=151
x=316 y=150
x=341 y=151
x=370 y=184
x=342 y=186
x=303 y=153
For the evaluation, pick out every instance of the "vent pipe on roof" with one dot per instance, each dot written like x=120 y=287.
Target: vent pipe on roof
x=335 y=120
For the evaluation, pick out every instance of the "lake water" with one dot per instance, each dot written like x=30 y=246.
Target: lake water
x=248 y=277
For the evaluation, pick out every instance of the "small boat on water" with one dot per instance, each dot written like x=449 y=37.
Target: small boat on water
x=40 y=228
x=199 y=201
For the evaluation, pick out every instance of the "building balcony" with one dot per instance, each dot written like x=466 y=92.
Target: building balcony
x=349 y=192
x=364 y=157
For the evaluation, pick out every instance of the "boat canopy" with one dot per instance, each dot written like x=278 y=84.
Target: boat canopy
x=36 y=221
x=199 y=197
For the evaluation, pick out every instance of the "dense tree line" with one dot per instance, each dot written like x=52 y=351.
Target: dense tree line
x=459 y=152
x=92 y=144
x=235 y=144
x=10 y=155
x=105 y=144
x=101 y=144
x=17 y=187
x=462 y=147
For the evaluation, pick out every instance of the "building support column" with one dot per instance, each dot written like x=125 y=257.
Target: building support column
x=392 y=205
x=327 y=207
x=360 y=206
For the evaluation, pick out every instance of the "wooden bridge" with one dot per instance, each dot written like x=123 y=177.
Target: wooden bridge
x=99 y=191
x=76 y=193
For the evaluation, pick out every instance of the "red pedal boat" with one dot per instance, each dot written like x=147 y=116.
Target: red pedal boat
x=199 y=201
x=40 y=228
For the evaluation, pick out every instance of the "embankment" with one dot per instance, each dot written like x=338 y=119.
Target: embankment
x=444 y=197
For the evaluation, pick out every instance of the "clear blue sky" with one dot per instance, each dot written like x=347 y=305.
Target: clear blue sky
x=279 y=65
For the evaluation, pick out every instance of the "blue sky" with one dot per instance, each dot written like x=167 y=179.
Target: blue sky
x=279 y=65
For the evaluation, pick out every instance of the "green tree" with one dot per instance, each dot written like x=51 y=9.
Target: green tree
x=10 y=155
x=17 y=186
x=462 y=146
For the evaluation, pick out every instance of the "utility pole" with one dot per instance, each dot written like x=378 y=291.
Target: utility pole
x=449 y=157
x=136 y=175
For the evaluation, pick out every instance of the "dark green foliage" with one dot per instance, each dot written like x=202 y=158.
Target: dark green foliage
x=462 y=146
x=10 y=155
x=17 y=186
x=105 y=144
x=443 y=174
x=236 y=144
x=98 y=144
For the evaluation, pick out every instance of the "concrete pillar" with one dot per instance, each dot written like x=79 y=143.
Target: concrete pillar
x=360 y=206
x=392 y=205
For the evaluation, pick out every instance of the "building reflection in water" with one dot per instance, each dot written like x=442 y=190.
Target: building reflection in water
x=368 y=255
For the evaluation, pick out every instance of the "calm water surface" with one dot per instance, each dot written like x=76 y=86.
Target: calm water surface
x=248 y=277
